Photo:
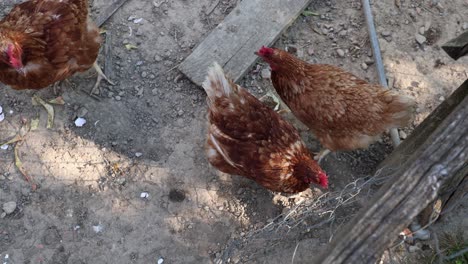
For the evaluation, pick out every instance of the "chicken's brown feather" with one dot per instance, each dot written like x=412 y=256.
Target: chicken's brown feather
x=344 y=111
x=247 y=138
x=57 y=39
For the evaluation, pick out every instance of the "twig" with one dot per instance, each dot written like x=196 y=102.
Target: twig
x=303 y=217
x=171 y=69
x=294 y=254
x=212 y=8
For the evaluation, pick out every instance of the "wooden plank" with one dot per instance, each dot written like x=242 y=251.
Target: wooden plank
x=435 y=162
x=108 y=63
x=458 y=47
x=109 y=11
x=232 y=43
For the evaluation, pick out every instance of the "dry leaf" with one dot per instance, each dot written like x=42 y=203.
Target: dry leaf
x=34 y=124
x=13 y=140
x=19 y=165
x=130 y=46
x=57 y=101
x=49 y=109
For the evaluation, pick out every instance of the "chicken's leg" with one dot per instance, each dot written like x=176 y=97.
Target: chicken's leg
x=59 y=84
x=319 y=157
x=54 y=87
x=100 y=76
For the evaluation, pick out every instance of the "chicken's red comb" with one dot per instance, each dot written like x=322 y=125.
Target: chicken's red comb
x=265 y=51
x=323 y=179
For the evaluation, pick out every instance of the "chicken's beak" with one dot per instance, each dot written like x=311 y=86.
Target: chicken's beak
x=256 y=53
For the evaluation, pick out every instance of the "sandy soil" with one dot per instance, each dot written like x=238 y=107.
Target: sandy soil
x=145 y=136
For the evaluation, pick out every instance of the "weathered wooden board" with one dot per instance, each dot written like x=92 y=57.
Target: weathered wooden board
x=109 y=63
x=109 y=11
x=232 y=43
x=457 y=47
x=438 y=159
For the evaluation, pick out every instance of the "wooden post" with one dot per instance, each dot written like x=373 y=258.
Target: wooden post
x=432 y=158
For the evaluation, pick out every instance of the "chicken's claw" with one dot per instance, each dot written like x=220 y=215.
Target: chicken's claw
x=100 y=76
x=319 y=157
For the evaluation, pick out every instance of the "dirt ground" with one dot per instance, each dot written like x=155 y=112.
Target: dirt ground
x=133 y=185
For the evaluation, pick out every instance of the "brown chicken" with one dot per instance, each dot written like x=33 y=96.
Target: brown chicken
x=247 y=138
x=46 y=41
x=343 y=111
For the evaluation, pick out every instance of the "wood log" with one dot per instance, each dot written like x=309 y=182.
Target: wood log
x=432 y=158
x=458 y=47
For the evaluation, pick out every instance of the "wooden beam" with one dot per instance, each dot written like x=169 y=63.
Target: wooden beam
x=436 y=159
x=457 y=47
x=109 y=11
x=232 y=43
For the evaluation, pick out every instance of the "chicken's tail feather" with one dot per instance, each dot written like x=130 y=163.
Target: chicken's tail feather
x=217 y=84
x=401 y=109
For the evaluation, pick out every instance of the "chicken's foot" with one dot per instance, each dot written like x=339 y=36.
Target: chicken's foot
x=319 y=157
x=59 y=83
x=100 y=76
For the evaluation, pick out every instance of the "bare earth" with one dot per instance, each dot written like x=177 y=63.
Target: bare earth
x=146 y=135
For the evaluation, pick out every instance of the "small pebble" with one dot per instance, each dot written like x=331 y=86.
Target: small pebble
x=266 y=74
x=158 y=58
x=343 y=33
x=422 y=30
x=465 y=26
x=386 y=33
x=310 y=51
x=98 y=228
x=413 y=249
x=9 y=207
x=441 y=98
x=364 y=66
x=80 y=122
x=340 y=52
x=420 y=39
x=369 y=61
x=82 y=112
x=403 y=135
x=118 y=98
